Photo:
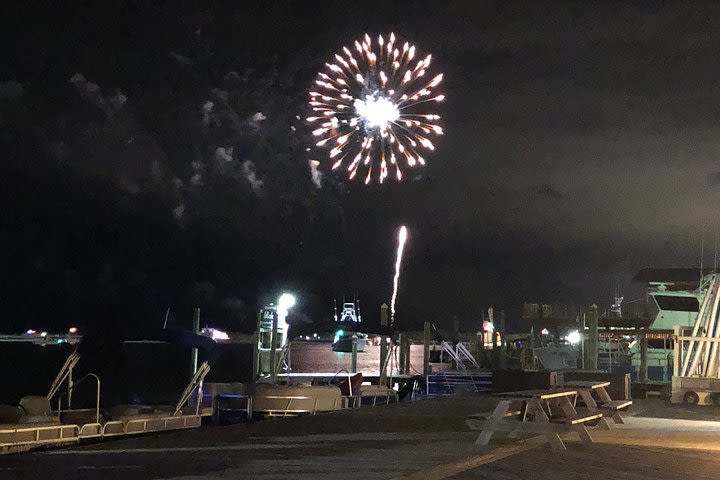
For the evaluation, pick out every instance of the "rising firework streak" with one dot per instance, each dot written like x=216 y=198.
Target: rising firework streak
x=402 y=237
x=373 y=108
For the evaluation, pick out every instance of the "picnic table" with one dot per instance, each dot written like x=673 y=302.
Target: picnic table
x=604 y=403
x=548 y=412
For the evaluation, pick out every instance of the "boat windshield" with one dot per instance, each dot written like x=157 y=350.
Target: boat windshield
x=682 y=304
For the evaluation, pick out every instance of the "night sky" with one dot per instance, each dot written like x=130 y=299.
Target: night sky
x=582 y=144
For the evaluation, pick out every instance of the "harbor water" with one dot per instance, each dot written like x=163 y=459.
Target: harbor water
x=156 y=373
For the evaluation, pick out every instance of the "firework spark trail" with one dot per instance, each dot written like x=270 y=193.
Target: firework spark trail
x=402 y=237
x=371 y=107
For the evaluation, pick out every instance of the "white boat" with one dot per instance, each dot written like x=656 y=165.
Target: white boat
x=557 y=357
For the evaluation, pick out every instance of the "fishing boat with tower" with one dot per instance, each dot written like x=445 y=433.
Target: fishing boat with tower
x=349 y=324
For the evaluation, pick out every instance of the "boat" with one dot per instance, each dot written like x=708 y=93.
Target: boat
x=557 y=356
x=34 y=423
x=343 y=341
x=676 y=307
x=348 y=331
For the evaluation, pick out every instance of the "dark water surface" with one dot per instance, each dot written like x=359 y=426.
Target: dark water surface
x=156 y=373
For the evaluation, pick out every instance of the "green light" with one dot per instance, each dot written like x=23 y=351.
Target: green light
x=339 y=333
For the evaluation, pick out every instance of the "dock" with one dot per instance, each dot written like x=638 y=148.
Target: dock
x=426 y=439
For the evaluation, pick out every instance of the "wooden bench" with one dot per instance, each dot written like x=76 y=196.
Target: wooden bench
x=614 y=406
x=578 y=419
x=548 y=413
x=604 y=402
x=486 y=415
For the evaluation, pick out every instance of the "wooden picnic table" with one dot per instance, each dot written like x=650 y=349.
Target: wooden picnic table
x=605 y=404
x=548 y=412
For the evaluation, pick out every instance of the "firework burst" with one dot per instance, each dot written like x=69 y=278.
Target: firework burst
x=372 y=108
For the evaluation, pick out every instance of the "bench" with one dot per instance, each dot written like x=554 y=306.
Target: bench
x=548 y=413
x=614 y=406
x=577 y=419
x=485 y=416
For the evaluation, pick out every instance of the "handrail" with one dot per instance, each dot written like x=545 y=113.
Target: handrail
x=195 y=381
x=348 y=379
x=461 y=348
x=64 y=373
x=97 y=394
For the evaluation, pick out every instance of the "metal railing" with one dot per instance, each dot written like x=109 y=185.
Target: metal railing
x=59 y=434
x=452 y=383
x=65 y=373
x=196 y=382
x=75 y=385
x=349 y=379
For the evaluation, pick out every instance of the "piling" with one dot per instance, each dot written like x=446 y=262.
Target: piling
x=501 y=343
x=426 y=349
x=677 y=350
x=643 y=373
x=273 y=347
x=256 y=353
x=591 y=362
x=194 y=352
x=383 y=342
x=353 y=358
x=404 y=360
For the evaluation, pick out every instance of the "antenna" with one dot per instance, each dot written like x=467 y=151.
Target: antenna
x=335 y=308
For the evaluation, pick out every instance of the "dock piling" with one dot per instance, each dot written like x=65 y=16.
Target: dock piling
x=426 y=349
x=353 y=360
x=273 y=347
x=194 y=352
x=591 y=362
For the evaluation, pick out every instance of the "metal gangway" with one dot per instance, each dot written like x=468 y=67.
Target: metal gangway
x=701 y=353
x=195 y=385
x=65 y=373
x=696 y=361
x=459 y=355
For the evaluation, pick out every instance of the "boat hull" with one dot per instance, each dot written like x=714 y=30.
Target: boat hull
x=344 y=345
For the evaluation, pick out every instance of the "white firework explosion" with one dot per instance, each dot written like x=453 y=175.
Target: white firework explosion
x=372 y=108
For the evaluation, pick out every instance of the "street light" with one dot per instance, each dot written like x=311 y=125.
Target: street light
x=574 y=337
x=285 y=303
